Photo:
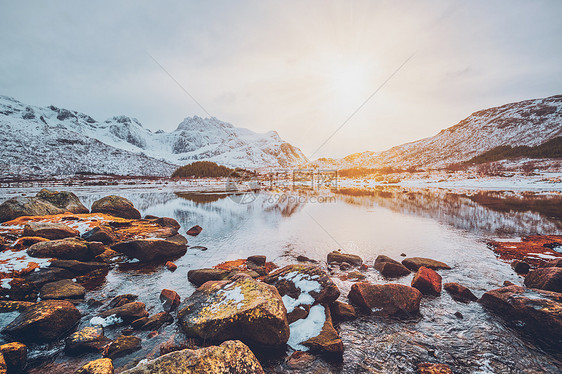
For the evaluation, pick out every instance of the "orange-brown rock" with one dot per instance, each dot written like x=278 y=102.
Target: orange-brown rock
x=339 y=257
x=390 y=268
x=342 y=311
x=62 y=290
x=49 y=230
x=127 y=312
x=328 y=341
x=427 y=281
x=534 y=250
x=15 y=355
x=99 y=366
x=116 y=206
x=122 y=346
x=459 y=292
x=66 y=249
x=430 y=368
x=89 y=339
x=386 y=299
x=153 y=249
x=170 y=300
x=171 y=266
x=546 y=278
x=414 y=263
x=195 y=230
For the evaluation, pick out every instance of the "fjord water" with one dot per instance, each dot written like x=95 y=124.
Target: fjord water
x=450 y=226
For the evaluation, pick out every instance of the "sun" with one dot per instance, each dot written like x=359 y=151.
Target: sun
x=349 y=83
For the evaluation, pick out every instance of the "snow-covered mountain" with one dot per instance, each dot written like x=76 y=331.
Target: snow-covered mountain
x=54 y=141
x=530 y=123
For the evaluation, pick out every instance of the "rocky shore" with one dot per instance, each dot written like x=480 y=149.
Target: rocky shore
x=53 y=249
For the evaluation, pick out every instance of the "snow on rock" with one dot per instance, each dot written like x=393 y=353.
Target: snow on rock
x=306 y=284
x=107 y=321
x=307 y=328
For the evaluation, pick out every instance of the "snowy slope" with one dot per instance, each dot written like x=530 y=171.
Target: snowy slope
x=54 y=141
x=530 y=122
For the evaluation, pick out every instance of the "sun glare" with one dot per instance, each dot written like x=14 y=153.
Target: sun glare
x=349 y=84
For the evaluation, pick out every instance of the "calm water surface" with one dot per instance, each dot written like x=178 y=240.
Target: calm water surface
x=450 y=226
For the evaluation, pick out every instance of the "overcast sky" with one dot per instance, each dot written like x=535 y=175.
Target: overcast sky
x=298 y=67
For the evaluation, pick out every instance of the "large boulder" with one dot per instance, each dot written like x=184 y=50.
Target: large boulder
x=200 y=276
x=65 y=200
x=427 y=281
x=66 y=249
x=49 y=230
x=89 y=339
x=44 y=322
x=390 y=268
x=116 y=206
x=414 y=263
x=243 y=309
x=26 y=206
x=386 y=299
x=99 y=366
x=15 y=355
x=547 y=278
x=336 y=256
x=303 y=285
x=61 y=290
x=459 y=292
x=102 y=233
x=232 y=356
x=539 y=310
x=127 y=312
x=153 y=249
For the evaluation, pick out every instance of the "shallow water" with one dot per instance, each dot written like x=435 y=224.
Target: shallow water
x=450 y=226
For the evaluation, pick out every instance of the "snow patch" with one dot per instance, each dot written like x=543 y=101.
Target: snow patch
x=306 y=284
x=307 y=328
x=104 y=322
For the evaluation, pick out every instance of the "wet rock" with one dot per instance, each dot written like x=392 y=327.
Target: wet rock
x=299 y=312
x=458 y=315
x=459 y=292
x=122 y=346
x=171 y=266
x=355 y=275
x=339 y=257
x=122 y=300
x=99 y=366
x=7 y=306
x=304 y=284
x=63 y=289
x=427 y=281
x=299 y=360
x=430 y=368
x=345 y=266
x=49 y=230
x=15 y=355
x=3 y=366
x=200 y=276
x=257 y=260
x=102 y=233
x=89 y=339
x=96 y=248
x=195 y=230
x=540 y=310
x=44 y=322
x=66 y=249
x=328 y=341
x=390 y=268
x=78 y=267
x=27 y=241
x=26 y=206
x=414 y=263
x=168 y=222
x=386 y=299
x=152 y=334
x=156 y=321
x=520 y=267
x=342 y=311
x=64 y=200
x=109 y=256
x=170 y=300
x=508 y=283
x=116 y=206
x=244 y=309
x=136 y=324
x=127 y=312
x=153 y=249
x=557 y=263
x=549 y=278
x=47 y=275
x=231 y=356
x=302 y=258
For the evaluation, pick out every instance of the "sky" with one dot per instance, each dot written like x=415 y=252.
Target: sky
x=301 y=68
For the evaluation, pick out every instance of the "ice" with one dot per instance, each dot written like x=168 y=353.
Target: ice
x=307 y=328
x=107 y=321
x=306 y=284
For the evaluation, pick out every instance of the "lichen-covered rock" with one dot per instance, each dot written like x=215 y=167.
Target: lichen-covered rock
x=414 y=263
x=168 y=222
x=122 y=346
x=243 y=309
x=153 y=249
x=63 y=289
x=44 y=321
x=336 y=256
x=386 y=299
x=200 y=276
x=64 y=200
x=170 y=300
x=232 y=356
x=547 y=278
x=431 y=368
x=302 y=284
x=102 y=233
x=89 y=339
x=459 y=292
x=127 y=312
x=49 y=230
x=540 y=310
x=390 y=268
x=116 y=206
x=15 y=355
x=78 y=267
x=66 y=249
x=99 y=366
x=26 y=206
x=7 y=306
x=427 y=281
x=3 y=366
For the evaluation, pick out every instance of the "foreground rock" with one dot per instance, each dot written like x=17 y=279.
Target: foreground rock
x=390 y=268
x=100 y=366
x=26 y=206
x=44 y=322
x=243 y=309
x=386 y=299
x=89 y=339
x=122 y=346
x=459 y=292
x=200 y=276
x=431 y=368
x=547 y=278
x=67 y=249
x=64 y=200
x=153 y=249
x=339 y=257
x=116 y=206
x=427 y=281
x=127 y=312
x=78 y=267
x=170 y=300
x=15 y=355
x=328 y=341
x=232 y=356
x=102 y=233
x=49 y=230
x=414 y=263
x=63 y=289
x=541 y=311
